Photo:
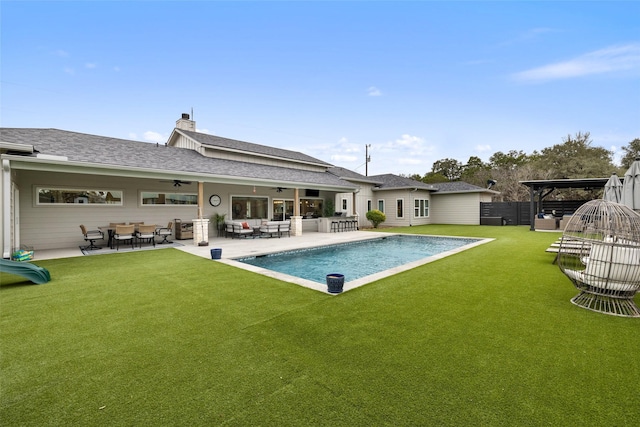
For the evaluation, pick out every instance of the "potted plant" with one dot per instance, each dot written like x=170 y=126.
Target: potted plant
x=218 y=220
x=328 y=209
x=335 y=282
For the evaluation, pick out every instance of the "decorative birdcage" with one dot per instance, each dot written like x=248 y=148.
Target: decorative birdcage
x=600 y=253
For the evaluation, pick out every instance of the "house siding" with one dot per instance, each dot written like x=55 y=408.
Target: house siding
x=240 y=157
x=188 y=143
x=456 y=208
x=390 y=207
x=51 y=227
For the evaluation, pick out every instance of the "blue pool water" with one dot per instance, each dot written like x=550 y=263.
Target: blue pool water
x=356 y=259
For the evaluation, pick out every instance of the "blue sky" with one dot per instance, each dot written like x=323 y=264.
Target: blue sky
x=419 y=81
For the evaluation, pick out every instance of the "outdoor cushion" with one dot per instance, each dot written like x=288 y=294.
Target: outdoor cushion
x=245 y=225
x=602 y=283
x=617 y=263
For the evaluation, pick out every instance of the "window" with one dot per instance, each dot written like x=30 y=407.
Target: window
x=154 y=198
x=64 y=196
x=311 y=208
x=282 y=209
x=344 y=205
x=369 y=205
x=243 y=207
x=400 y=208
x=381 y=205
x=421 y=208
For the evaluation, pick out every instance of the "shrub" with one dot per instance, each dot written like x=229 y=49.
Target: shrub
x=328 y=208
x=376 y=217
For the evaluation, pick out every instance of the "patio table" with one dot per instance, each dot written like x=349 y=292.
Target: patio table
x=111 y=231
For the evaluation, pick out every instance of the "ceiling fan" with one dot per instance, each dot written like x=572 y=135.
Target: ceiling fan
x=279 y=189
x=178 y=182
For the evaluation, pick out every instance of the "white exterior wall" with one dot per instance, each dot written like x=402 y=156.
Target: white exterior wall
x=463 y=208
x=184 y=142
x=241 y=157
x=390 y=207
x=51 y=227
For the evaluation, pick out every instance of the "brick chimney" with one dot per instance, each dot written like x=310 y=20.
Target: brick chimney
x=185 y=124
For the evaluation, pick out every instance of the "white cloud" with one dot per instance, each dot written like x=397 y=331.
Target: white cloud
x=116 y=69
x=203 y=130
x=69 y=70
x=611 y=59
x=483 y=148
x=374 y=91
x=409 y=161
x=154 y=137
x=408 y=141
x=90 y=65
x=528 y=35
x=61 y=53
x=343 y=158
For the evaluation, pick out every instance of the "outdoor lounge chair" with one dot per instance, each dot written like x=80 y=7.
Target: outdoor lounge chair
x=600 y=253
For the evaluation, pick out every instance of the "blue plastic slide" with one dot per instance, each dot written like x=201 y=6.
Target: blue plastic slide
x=27 y=270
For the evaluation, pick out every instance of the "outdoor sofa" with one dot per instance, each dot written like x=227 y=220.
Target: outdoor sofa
x=240 y=228
x=278 y=228
x=256 y=227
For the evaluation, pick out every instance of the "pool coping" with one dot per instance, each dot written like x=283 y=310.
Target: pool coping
x=353 y=284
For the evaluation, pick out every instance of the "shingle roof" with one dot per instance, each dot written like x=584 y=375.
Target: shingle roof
x=351 y=175
x=390 y=181
x=109 y=152
x=263 y=150
x=459 y=187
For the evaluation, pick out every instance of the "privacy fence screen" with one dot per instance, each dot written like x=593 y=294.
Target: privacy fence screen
x=517 y=213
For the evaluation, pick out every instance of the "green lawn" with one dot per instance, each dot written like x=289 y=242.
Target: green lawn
x=487 y=337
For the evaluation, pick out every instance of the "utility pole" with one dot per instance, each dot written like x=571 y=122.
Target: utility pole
x=367 y=159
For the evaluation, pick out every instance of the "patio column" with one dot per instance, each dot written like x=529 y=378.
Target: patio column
x=200 y=199
x=201 y=232
x=201 y=225
x=355 y=210
x=5 y=194
x=296 y=219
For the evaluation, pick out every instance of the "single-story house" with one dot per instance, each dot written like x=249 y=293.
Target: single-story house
x=54 y=180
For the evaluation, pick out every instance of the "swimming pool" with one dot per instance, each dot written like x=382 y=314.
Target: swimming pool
x=359 y=259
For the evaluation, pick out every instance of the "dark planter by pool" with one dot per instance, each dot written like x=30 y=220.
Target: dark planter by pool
x=216 y=253
x=335 y=282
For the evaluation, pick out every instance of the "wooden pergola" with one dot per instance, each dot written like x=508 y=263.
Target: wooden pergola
x=542 y=188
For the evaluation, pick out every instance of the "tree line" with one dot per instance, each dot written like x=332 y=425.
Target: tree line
x=574 y=158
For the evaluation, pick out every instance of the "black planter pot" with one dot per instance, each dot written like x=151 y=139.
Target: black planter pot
x=335 y=282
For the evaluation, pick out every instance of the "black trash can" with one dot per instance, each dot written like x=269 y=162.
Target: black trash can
x=216 y=253
x=335 y=282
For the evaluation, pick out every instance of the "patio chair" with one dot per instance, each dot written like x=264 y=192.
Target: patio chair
x=91 y=236
x=605 y=267
x=165 y=232
x=124 y=233
x=146 y=232
x=284 y=227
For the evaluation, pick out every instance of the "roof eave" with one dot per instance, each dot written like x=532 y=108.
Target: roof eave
x=468 y=191
x=66 y=166
x=411 y=188
x=14 y=146
x=252 y=153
